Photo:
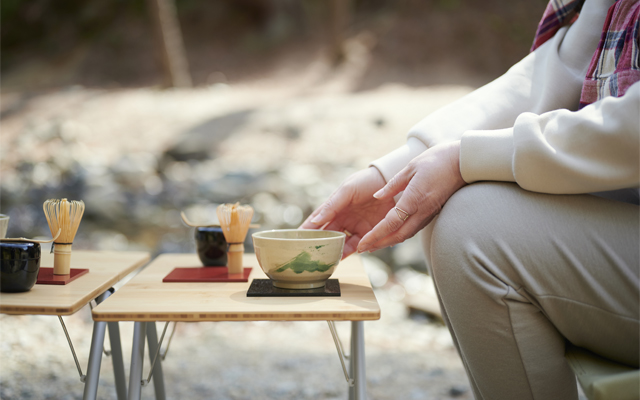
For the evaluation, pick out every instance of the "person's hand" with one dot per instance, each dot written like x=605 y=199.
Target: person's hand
x=352 y=208
x=428 y=182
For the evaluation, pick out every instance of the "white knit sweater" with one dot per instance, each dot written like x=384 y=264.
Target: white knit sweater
x=523 y=127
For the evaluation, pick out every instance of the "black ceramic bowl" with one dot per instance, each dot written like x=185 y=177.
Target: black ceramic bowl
x=20 y=263
x=211 y=245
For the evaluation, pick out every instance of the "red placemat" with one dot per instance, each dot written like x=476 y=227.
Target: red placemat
x=206 y=274
x=46 y=276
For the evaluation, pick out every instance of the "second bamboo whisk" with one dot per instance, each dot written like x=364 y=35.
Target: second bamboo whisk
x=65 y=216
x=234 y=220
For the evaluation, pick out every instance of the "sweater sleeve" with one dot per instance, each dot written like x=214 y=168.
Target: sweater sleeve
x=547 y=79
x=562 y=152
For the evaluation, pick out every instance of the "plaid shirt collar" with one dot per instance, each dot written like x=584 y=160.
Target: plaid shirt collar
x=615 y=64
x=557 y=14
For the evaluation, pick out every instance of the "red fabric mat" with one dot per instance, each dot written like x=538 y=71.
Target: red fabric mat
x=46 y=276
x=206 y=274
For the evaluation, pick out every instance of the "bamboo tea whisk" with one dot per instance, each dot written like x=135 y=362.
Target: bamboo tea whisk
x=234 y=220
x=65 y=216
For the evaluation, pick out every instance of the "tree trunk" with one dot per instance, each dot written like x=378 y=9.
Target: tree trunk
x=339 y=21
x=169 y=39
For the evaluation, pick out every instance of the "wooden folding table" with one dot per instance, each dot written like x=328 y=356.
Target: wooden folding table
x=146 y=298
x=105 y=270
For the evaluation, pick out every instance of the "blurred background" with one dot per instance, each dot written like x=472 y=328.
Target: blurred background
x=267 y=102
x=144 y=109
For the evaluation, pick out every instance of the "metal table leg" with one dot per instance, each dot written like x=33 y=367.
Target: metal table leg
x=358 y=372
x=117 y=360
x=158 y=379
x=352 y=388
x=137 y=360
x=95 y=355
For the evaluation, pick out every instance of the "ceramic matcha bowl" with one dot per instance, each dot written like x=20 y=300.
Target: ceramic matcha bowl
x=298 y=258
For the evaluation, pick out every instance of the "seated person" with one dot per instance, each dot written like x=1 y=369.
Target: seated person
x=526 y=194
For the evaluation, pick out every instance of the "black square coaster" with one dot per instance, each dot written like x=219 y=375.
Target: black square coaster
x=264 y=288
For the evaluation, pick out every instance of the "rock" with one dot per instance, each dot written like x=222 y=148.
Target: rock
x=201 y=141
x=379 y=122
x=458 y=390
x=292 y=132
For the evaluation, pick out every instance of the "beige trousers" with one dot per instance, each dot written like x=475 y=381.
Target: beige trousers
x=518 y=273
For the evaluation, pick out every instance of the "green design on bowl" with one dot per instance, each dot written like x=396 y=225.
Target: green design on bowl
x=303 y=262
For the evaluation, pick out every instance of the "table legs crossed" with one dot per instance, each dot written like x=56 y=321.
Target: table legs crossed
x=158 y=378
x=148 y=329
x=95 y=357
x=140 y=330
x=137 y=360
x=117 y=360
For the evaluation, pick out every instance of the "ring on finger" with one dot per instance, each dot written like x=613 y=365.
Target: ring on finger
x=346 y=232
x=402 y=214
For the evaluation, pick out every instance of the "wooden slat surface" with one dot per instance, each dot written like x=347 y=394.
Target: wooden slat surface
x=147 y=298
x=105 y=269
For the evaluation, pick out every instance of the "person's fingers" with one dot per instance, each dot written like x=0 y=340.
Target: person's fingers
x=408 y=230
x=335 y=225
x=357 y=189
x=350 y=245
x=412 y=213
x=395 y=185
x=403 y=213
x=334 y=204
x=353 y=238
x=307 y=224
x=389 y=224
x=325 y=212
x=351 y=241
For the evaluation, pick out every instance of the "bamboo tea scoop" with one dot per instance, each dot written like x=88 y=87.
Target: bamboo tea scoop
x=191 y=224
x=31 y=240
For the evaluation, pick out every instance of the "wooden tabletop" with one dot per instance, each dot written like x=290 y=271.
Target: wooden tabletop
x=147 y=298
x=105 y=269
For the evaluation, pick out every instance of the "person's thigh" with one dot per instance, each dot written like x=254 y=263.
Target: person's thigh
x=576 y=257
x=517 y=272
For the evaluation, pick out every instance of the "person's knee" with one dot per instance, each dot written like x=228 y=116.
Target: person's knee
x=465 y=227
